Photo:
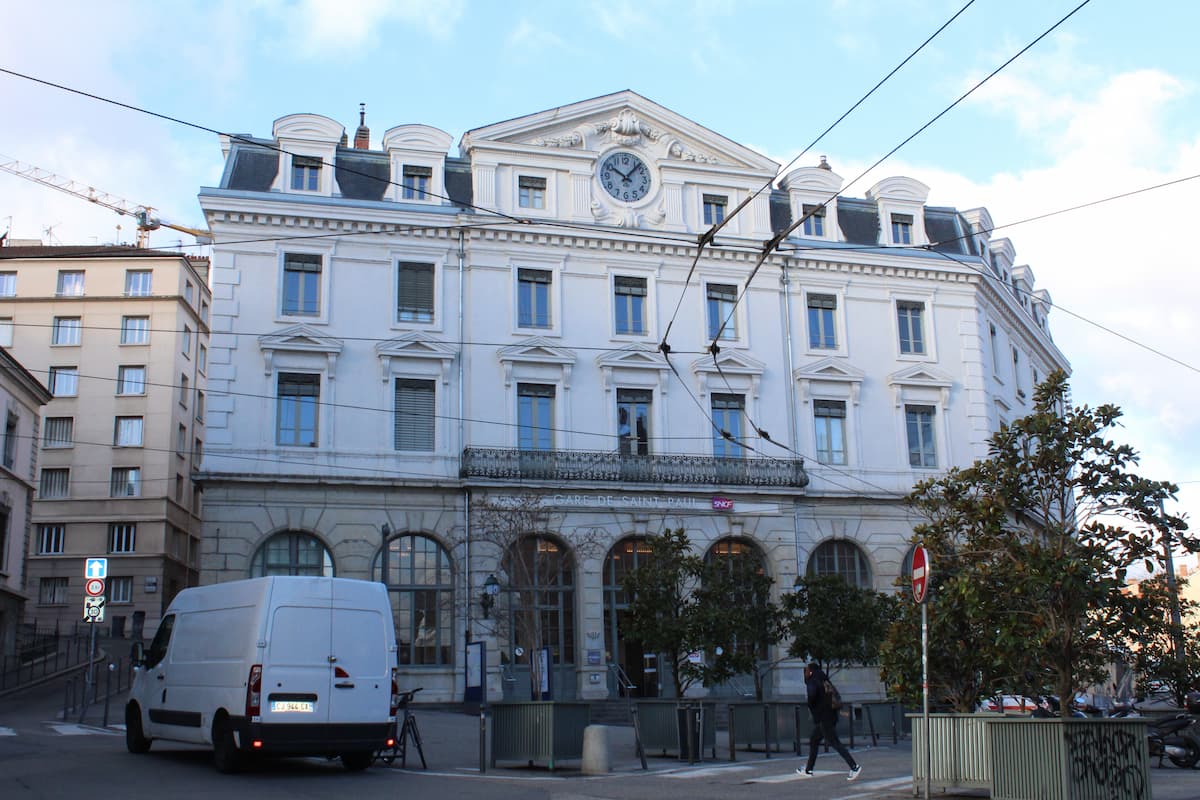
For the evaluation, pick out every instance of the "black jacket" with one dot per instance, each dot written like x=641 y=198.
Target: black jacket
x=818 y=705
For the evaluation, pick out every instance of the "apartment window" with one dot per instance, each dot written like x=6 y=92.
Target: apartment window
x=51 y=539
x=822 y=331
x=535 y=416
x=297 y=401
x=179 y=489
x=301 y=284
x=199 y=405
x=902 y=228
x=814 y=220
x=64 y=381
x=722 y=299
x=829 y=417
x=53 y=591
x=633 y=421
x=922 y=450
x=181 y=441
x=70 y=283
x=126 y=482
x=120 y=590
x=58 y=432
x=727 y=413
x=306 y=174
x=1016 y=361
x=204 y=311
x=415 y=182
x=55 y=483
x=122 y=537
x=4 y=532
x=912 y=332
x=8 y=284
x=629 y=302
x=10 y=440
x=533 y=298
x=65 y=330
x=128 y=432
x=6 y=331
x=184 y=390
x=414 y=425
x=202 y=358
x=414 y=292
x=714 y=208
x=131 y=380
x=138 y=283
x=188 y=292
x=531 y=192
x=995 y=352
x=135 y=330
x=197 y=458
x=186 y=346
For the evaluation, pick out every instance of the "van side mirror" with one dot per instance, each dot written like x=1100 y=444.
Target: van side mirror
x=137 y=654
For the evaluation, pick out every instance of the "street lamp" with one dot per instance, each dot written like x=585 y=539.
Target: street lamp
x=491 y=588
x=386 y=531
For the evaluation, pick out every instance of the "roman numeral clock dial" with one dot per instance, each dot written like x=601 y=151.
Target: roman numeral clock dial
x=624 y=176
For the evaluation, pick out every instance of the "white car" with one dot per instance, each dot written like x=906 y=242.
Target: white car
x=1009 y=704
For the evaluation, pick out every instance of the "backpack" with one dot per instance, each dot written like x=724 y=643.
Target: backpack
x=833 y=697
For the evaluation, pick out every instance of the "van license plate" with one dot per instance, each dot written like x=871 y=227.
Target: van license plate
x=281 y=706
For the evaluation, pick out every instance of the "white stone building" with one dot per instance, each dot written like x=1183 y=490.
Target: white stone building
x=400 y=332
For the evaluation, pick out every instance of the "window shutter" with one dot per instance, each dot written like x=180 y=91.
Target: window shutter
x=416 y=288
x=414 y=422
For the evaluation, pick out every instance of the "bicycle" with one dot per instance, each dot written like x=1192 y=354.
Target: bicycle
x=408 y=731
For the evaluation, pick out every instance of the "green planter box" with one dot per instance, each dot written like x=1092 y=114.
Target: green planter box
x=659 y=725
x=543 y=731
x=959 y=757
x=769 y=726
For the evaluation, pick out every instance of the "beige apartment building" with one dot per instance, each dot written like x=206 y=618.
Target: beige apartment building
x=120 y=336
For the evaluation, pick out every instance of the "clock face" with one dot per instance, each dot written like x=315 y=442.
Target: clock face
x=625 y=176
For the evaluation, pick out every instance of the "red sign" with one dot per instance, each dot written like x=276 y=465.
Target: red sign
x=920 y=574
x=94 y=587
x=722 y=504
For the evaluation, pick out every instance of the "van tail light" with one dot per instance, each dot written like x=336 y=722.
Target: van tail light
x=338 y=672
x=254 y=692
x=395 y=706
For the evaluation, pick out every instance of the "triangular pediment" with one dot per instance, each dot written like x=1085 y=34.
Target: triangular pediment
x=624 y=119
x=415 y=345
x=920 y=375
x=634 y=357
x=537 y=351
x=732 y=362
x=829 y=369
x=300 y=338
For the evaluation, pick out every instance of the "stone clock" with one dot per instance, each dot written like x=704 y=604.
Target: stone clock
x=624 y=176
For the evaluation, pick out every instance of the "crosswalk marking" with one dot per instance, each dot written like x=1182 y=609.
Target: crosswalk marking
x=705 y=772
x=67 y=729
x=7 y=732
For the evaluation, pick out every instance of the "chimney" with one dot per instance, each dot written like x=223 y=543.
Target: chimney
x=362 y=136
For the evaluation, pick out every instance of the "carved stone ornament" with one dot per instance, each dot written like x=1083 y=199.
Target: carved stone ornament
x=573 y=139
x=627 y=217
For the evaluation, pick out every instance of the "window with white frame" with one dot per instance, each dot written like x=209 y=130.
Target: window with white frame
x=814 y=220
x=64 y=381
x=122 y=537
x=197 y=456
x=53 y=591
x=829 y=419
x=306 y=174
x=910 y=317
x=993 y=349
x=52 y=538
x=66 y=330
x=8 y=284
x=844 y=559
x=301 y=284
x=186 y=343
x=1016 y=372
x=533 y=298
x=202 y=358
x=199 y=405
x=727 y=413
x=298 y=399
x=10 y=439
x=131 y=379
x=185 y=390
x=188 y=292
x=822 y=328
x=414 y=182
x=633 y=421
x=922 y=446
x=70 y=283
x=629 y=304
x=138 y=283
x=531 y=192
x=714 y=208
x=6 y=331
x=54 y=483
x=535 y=416
x=722 y=300
x=181 y=438
x=128 y=432
x=414 y=292
x=5 y=518
x=414 y=425
x=58 y=432
x=204 y=311
x=126 y=482
x=902 y=225
x=120 y=590
x=135 y=330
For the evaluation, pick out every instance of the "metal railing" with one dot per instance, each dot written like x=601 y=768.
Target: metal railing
x=42 y=655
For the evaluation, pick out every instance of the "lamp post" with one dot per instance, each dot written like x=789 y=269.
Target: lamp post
x=491 y=588
x=386 y=531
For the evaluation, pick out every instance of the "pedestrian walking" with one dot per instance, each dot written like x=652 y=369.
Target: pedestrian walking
x=823 y=703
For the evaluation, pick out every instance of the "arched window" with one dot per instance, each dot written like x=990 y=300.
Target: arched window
x=420 y=584
x=539 y=587
x=292 y=553
x=640 y=667
x=733 y=555
x=839 y=557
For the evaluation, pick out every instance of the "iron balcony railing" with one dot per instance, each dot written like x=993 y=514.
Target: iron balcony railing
x=614 y=467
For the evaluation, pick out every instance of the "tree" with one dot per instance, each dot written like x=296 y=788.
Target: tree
x=835 y=622
x=1156 y=655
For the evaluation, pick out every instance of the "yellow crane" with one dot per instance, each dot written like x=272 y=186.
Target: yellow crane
x=144 y=215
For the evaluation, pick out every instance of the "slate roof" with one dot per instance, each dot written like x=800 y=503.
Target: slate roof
x=88 y=251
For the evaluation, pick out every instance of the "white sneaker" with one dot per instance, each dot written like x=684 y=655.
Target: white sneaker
x=803 y=773
x=854 y=773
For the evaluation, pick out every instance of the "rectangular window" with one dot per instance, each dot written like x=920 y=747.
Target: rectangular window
x=199 y=405
x=902 y=228
x=55 y=483
x=533 y=298
x=415 y=182
x=135 y=330
x=6 y=331
x=912 y=331
x=722 y=299
x=181 y=441
x=814 y=222
x=4 y=533
x=53 y=591
x=822 y=331
x=202 y=358
x=830 y=420
x=126 y=482
x=58 y=432
x=138 y=283
x=204 y=311
x=414 y=425
x=531 y=192
x=128 y=432
x=414 y=292
x=535 y=416
x=301 y=284
x=51 y=539
x=186 y=343
x=188 y=292
x=8 y=284
x=629 y=302
x=922 y=451
x=120 y=590
x=70 y=283
x=993 y=349
x=727 y=413
x=65 y=330
x=179 y=489
x=1016 y=359
x=184 y=390
x=306 y=174
x=714 y=208
x=10 y=440
x=633 y=421
x=131 y=380
x=197 y=455
x=64 y=381
x=122 y=537
x=297 y=402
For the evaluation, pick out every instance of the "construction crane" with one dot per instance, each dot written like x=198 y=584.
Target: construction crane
x=145 y=217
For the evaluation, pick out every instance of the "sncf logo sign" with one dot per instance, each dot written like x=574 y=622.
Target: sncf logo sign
x=722 y=504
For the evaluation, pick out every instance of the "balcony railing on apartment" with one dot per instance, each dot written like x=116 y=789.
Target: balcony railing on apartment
x=608 y=466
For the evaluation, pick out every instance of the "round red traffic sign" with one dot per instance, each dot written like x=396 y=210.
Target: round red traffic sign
x=94 y=587
x=920 y=574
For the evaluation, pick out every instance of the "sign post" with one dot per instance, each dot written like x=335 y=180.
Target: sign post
x=920 y=586
x=95 y=570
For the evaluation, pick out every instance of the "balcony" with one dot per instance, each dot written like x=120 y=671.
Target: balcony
x=561 y=466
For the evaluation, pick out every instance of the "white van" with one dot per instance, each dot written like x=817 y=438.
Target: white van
x=276 y=666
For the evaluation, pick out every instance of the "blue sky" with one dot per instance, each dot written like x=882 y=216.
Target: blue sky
x=1104 y=105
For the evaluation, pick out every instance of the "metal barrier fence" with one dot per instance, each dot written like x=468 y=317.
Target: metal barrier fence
x=46 y=656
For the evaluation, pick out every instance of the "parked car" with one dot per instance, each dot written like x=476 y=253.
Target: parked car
x=1009 y=704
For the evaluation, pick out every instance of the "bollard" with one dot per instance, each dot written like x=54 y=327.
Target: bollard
x=595 y=750
x=108 y=690
x=483 y=760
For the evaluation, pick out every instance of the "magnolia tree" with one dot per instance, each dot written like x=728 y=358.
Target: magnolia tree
x=1033 y=546
x=835 y=623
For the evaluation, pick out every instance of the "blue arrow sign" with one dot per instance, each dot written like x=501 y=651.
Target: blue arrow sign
x=96 y=568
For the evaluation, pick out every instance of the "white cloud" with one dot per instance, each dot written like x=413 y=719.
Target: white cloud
x=342 y=27
x=527 y=39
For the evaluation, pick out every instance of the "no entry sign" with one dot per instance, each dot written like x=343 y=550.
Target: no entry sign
x=920 y=574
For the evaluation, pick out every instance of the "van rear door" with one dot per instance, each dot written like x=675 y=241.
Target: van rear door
x=362 y=683
x=297 y=674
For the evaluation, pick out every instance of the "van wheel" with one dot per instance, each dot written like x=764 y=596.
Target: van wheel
x=226 y=756
x=135 y=740
x=358 y=761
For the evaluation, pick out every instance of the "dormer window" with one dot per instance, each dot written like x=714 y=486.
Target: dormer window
x=415 y=182
x=814 y=222
x=902 y=225
x=531 y=192
x=714 y=208
x=306 y=174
